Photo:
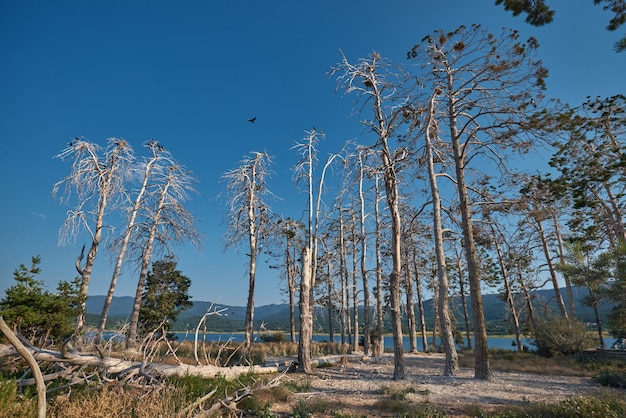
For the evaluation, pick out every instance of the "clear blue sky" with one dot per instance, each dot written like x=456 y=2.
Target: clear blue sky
x=189 y=74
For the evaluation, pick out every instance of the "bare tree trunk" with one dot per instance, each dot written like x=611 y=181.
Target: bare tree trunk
x=462 y=295
x=380 y=314
x=482 y=370
x=145 y=264
x=291 y=283
x=86 y=271
x=508 y=293
x=343 y=273
x=154 y=146
x=330 y=306
x=410 y=306
x=364 y=278
x=527 y=297
x=306 y=318
x=594 y=305
x=133 y=329
x=551 y=268
x=355 y=292
x=451 y=367
x=435 y=333
x=568 y=282
x=420 y=303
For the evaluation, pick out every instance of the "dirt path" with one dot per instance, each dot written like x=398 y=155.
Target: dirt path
x=355 y=387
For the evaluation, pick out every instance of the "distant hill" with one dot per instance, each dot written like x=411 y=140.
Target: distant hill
x=276 y=316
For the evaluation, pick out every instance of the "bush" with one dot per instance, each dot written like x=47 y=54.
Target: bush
x=558 y=336
x=613 y=379
x=275 y=337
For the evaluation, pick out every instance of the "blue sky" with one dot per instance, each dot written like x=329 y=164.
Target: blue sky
x=189 y=74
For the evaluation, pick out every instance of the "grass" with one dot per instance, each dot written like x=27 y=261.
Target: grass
x=511 y=361
x=607 y=405
x=101 y=400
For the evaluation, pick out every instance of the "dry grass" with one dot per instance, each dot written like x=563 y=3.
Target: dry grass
x=166 y=400
x=117 y=402
x=510 y=361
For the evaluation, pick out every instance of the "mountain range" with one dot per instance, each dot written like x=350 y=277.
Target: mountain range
x=276 y=316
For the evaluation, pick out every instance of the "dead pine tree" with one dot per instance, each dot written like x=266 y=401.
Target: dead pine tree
x=304 y=173
x=247 y=218
x=378 y=86
x=163 y=221
x=145 y=170
x=97 y=182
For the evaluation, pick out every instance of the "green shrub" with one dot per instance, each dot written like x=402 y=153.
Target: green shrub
x=612 y=378
x=12 y=404
x=305 y=409
x=275 y=337
x=557 y=336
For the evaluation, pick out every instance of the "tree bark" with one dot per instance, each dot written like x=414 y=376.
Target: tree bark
x=306 y=317
x=482 y=369
x=443 y=307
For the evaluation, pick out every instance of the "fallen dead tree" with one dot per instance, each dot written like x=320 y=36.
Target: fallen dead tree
x=114 y=366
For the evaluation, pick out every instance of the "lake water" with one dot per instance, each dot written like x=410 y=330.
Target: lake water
x=506 y=343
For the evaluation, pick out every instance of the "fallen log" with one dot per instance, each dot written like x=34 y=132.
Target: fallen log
x=114 y=365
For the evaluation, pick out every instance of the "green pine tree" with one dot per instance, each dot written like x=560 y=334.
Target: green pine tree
x=165 y=295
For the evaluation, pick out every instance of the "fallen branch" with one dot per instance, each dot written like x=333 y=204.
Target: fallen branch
x=25 y=353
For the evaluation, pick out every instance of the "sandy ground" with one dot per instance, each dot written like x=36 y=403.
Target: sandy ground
x=355 y=387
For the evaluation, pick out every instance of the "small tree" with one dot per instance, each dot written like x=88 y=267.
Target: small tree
x=37 y=314
x=556 y=336
x=165 y=296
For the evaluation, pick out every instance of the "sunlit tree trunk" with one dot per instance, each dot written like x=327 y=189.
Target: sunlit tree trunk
x=306 y=318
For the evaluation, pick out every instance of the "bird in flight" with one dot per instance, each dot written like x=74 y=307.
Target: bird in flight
x=252 y=120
